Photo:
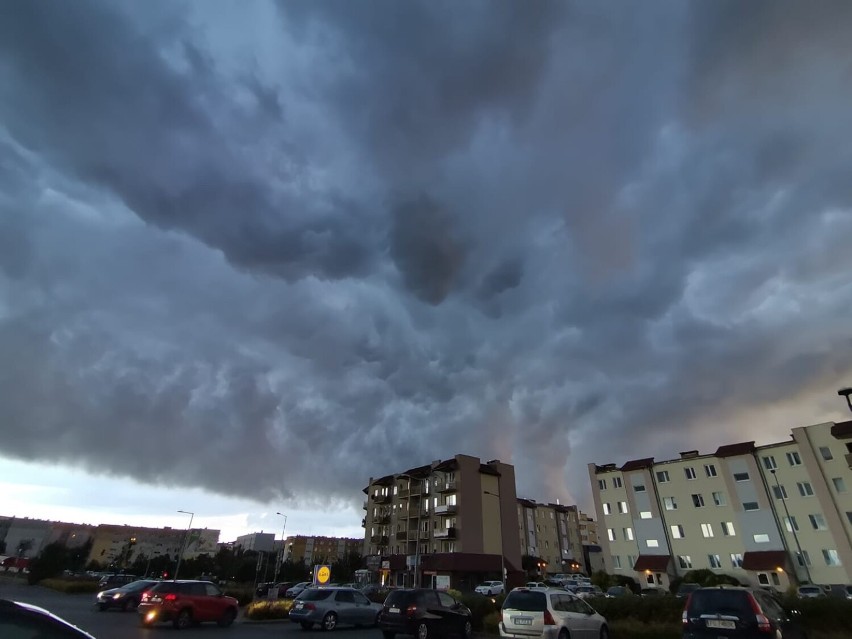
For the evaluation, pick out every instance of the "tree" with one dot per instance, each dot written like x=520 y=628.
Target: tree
x=50 y=563
x=24 y=546
x=344 y=568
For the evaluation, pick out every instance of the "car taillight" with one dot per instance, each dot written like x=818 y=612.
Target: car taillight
x=170 y=597
x=763 y=624
x=411 y=610
x=310 y=606
x=684 y=618
x=548 y=619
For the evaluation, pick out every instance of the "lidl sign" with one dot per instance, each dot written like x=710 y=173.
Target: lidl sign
x=322 y=575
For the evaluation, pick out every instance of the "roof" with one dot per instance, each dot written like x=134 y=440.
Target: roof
x=842 y=430
x=765 y=559
x=528 y=503
x=486 y=469
x=448 y=465
x=654 y=563
x=734 y=450
x=636 y=464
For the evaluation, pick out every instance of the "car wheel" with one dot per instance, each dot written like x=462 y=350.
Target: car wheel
x=467 y=629
x=329 y=622
x=563 y=634
x=306 y=625
x=422 y=631
x=387 y=634
x=604 y=632
x=183 y=620
x=227 y=618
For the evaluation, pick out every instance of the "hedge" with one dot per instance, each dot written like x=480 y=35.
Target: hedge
x=261 y=609
x=70 y=586
x=243 y=594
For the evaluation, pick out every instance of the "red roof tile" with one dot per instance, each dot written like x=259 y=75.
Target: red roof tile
x=636 y=464
x=654 y=563
x=734 y=450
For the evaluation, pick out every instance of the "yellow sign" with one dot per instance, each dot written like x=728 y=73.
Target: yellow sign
x=323 y=574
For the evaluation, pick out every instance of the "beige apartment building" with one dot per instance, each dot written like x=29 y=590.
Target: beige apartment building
x=452 y=518
x=320 y=549
x=774 y=515
x=551 y=533
x=120 y=545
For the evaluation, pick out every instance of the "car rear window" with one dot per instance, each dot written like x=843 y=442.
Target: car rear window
x=315 y=594
x=397 y=597
x=165 y=586
x=723 y=602
x=526 y=600
x=809 y=589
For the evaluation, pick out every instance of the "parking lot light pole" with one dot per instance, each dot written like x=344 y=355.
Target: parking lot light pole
x=185 y=539
x=280 y=559
x=502 y=554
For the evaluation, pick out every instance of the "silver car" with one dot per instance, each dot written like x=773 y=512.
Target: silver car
x=549 y=613
x=332 y=606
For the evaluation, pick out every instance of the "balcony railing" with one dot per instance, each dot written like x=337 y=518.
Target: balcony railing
x=424 y=534
x=364 y=505
x=380 y=540
x=363 y=523
x=403 y=513
x=445 y=533
x=446 y=487
x=404 y=493
x=446 y=509
x=381 y=499
x=382 y=520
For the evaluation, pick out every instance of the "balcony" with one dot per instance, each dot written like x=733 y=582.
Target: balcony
x=381 y=499
x=379 y=540
x=446 y=487
x=403 y=513
x=445 y=533
x=364 y=523
x=849 y=460
x=424 y=534
x=364 y=505
x=404 y=493
x=446 y=509
x=382 y=520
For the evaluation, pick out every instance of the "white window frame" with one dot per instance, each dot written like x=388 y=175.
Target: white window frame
x=710 y=469
x=663 y=476
x=794 y=458
x=707 y=530
x=689 y=471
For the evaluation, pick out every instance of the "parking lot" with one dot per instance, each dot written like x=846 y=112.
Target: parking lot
x=79 y=610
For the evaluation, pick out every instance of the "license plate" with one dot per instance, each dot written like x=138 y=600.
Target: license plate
x=394 y=610
x=522 y=621
x=156 y=599
x=299 y=606
x=721 y=623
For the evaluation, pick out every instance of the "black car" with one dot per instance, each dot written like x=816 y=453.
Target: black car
x=726 y=611
x=23 y=620
x=116 y=581
x=685 y=588
x=423 y=613
x=125 y=598
x=262 y=590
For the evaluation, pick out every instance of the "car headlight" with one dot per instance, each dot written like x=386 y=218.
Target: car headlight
x=117 y=595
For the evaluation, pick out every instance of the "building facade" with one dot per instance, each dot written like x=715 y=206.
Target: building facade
x=313 y=550
x=258 y=542
x=550 y=533
x=452 y=518
x=774 y=515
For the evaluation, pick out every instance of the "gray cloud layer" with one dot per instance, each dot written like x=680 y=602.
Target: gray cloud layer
x=320 y=241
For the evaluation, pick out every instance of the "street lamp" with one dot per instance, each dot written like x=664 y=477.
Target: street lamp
x=280 y=558
x=185 y=538
x=792 y=527
x=847 y=393
x=502 y=554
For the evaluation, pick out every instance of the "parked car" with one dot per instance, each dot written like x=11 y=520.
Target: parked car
x=332 y=606
x=685 y=588
x=293 y=591
x=536 y=585
x=548 y=614
x=262 y=591
x=423 y=613
x=618 y=591
x=490 y=588
x=25 y=620
x=587 y=592
x=736 y=612
x=116 y=581
x=810 y=592
x=653 y=592
x=126 y=597
x=187 y=602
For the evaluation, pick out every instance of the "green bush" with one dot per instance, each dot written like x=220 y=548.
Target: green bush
x=828 y=614
x=491 y=623
x=243 y=594
x=629 y=629
x=269 y=609
x=70 y=586
x=481 y=606
x=646 y=610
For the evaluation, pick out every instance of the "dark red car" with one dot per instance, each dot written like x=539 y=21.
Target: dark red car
x=185 y=603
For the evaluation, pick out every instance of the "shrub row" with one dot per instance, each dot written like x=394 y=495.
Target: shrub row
x=70 y=586
x=243 y=594
x=261 y=609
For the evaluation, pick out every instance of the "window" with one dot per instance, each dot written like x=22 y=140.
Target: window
x=622 y=507
x=728 y=528
x=751 y=505
x=628 y=533
x=631 y=560
x=707 y=530
x=616 y=482
x=602 y=484
x=791 y=524
x=715 y=561
x=769 y=463
x=689 y=472
x=610 y=533
x=805 y=489
x=803 y=558
x=849 y=516
x=710 y=469
x=677 y=531
x=645 y=514
x=779 y=491
x=698 y=501
x=831 y=557
x=794 y=459
x=719 y=499
x=652 y=543
x=607 y=509
x=616 y=562
x=839 y=484
x=685 y=561
x=639 y=488
x=763 y=579
x=761 y=538
x=670 y=503
x=662 y=476
x=817 y=522
x=741 y=477
x=825 y=451
x=736 y=560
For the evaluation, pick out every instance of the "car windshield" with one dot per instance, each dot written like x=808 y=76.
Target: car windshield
x=525 y=600
x=137 y=585
x=723 y=602
x=315 y=594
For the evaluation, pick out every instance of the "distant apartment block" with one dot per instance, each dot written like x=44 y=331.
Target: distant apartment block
x=452 y=518
x=552 y=533
x=121 y=545
x=320 y=549
x=257 y=542
x=769 y=515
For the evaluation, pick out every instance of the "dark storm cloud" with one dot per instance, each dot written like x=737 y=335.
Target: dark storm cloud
x=360 y=237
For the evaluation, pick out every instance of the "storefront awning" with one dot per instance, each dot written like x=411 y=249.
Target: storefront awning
x=765 y=560
x=654 y=563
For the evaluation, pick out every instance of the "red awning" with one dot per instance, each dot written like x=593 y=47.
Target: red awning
x=654 y=563
x=765 y=560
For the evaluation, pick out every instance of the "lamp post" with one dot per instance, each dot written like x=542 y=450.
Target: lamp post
x=280 y=559
x=792 y=527
x=847 y=393
x=502 y=554
x=185 y=538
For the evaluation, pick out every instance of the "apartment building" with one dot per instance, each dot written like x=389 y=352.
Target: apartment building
x=121 y=545
x=773 y=515
x=320 y=549
x=257 y=542
x=452 y=518
x=551 y=533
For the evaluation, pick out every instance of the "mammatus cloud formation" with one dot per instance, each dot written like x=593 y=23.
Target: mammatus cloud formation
x=331 y=240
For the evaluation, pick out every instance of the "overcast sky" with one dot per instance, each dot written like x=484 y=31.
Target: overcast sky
x=253 y=253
